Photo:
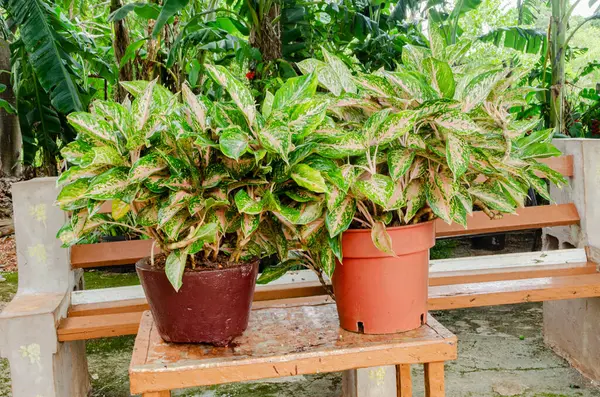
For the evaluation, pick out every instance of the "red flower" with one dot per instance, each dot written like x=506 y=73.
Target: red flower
x=250 y=75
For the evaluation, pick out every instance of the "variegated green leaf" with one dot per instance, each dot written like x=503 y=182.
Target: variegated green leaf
x=119 y=209
x=249 y=224
x=399 y=161
x=304 y=214
x=102 y=156
x=246 y=204
x=458 y=212
x=457 y=155
x=412 y=56
x=240 y=94
x=215 y=174
x=381 y=238
x=326 y=76
x=146 y=166
x=327 y=260
x=437 y=42
x=479 y=88
x=457 y=122
x=539 y=185
x=166 y=212
x=392 y=127
x=442 y=78
x=173 y=227
x=375 y=85
x=175 y=266
x=329 y=170
x=342 y=72
x=307 y=116
x=438 y=202
x=76 y=172
x=72 y=196
x=109 y=185
x=492 y=197
x=349 y=144
x=301 y=195
x=339 y=218
x=233 y=142
x=412 y=85
x=309 y=178
x=272 y=273
x=75 y=151
x=295 y=90
x=148 y=216
x=93 y=127
x=398 y=198
x=377 y=188
x=277 y=139
x=142 y=106
x=197 y=107
x=335 y=244
x=310 y=232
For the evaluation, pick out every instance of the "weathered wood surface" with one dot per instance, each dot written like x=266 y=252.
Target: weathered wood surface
x=280 y=342
x=7 y=227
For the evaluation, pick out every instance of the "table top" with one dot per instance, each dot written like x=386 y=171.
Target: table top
x=280 y=341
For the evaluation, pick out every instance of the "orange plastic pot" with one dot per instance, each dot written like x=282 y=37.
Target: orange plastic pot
x=377 y=293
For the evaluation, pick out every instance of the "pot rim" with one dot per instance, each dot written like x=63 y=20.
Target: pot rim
x=403 y=227
x=144 y=264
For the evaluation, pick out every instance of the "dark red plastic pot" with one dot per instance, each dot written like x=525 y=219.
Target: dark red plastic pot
x=212 y=306
x=377 y=293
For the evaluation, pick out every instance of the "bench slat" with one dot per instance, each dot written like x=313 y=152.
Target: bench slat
x=562 y=164
x=128 y=252
x=443 y=297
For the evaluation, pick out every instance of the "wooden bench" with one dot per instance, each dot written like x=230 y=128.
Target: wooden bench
x=50 y=278
x=288 y=341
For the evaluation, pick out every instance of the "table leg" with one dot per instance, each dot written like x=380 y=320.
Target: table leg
x=166 y=393
x=434 y=379
x=403 y=380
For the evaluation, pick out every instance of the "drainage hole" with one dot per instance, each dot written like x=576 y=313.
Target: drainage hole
x=361 y=327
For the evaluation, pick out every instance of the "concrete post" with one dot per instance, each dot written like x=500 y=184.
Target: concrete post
x=571 y=326
x=40 y=365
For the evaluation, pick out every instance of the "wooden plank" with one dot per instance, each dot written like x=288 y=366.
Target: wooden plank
x=129 y=252
x=434 y=379
x=514 y=291
x=110 y=254
x=283 y=342
x=526 y=218
x=403 y=380
x=83 y=328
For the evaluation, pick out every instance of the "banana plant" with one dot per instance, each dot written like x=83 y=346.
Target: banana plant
x=208 y=180
x=433 y=139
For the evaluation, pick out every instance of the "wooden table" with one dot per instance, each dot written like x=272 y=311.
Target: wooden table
x=285 y=341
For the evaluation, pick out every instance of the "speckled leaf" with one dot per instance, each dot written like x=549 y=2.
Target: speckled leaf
x=142 y=106
x=437 y=42
x=249 y=224
x=175 y=225
x=240 y=94
x=267 y=105
x=72 y=196
x=377 y=188
x=342 y=72
x=399 y=161
x=327 y=260
x=197 y=107
x=272 y=273
x=457 y=155
x=148 y=216
x=175 y=266
x=457 y=122
x=301 y=195
x=327 y=77
x=335 y=244
x=309 y=178
x=310 y=232
x=334 y=197
x=329 y=169
x=146 y=166
x=382 y=239
x=415 y=199
x=375 y=85
x=109 y=185
x=392 y=127
x=412 y=85
x=478 y=89
x=339 y=218
x=539 y=185
x=93 y=127
x=215 y=174
x=102 y=156
x=412 y=56
x=75 y=172
x=441 y=76
x=493 y=198
x=277 y=138
x=233 y=142
x=246 y=204
x=75 y=151
x=438 y=202
x=458 y=212
x=398 y=198
x=119 y=209
x=295 y=90
x=465 y=198
x=304 y=214
x=349 y=144
x=307 y=116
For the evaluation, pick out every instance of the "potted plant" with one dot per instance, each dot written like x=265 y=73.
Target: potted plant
x=210 y=181
x=433 y=139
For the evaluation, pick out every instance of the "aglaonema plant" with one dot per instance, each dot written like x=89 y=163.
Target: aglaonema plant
x=434 y=139
x=208 y=180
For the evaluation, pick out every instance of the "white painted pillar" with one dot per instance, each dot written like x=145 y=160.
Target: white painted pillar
x=40 y=365
x=572 y=327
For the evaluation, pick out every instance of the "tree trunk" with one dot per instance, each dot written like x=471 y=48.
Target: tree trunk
x=120 y=44
x=10 y=133
x=557 y=57
x=267 y=36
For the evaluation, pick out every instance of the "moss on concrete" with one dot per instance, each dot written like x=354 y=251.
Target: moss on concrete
x=101 y=279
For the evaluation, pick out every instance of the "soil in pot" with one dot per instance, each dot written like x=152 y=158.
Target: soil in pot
x=212 y=306
x=377 y=293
